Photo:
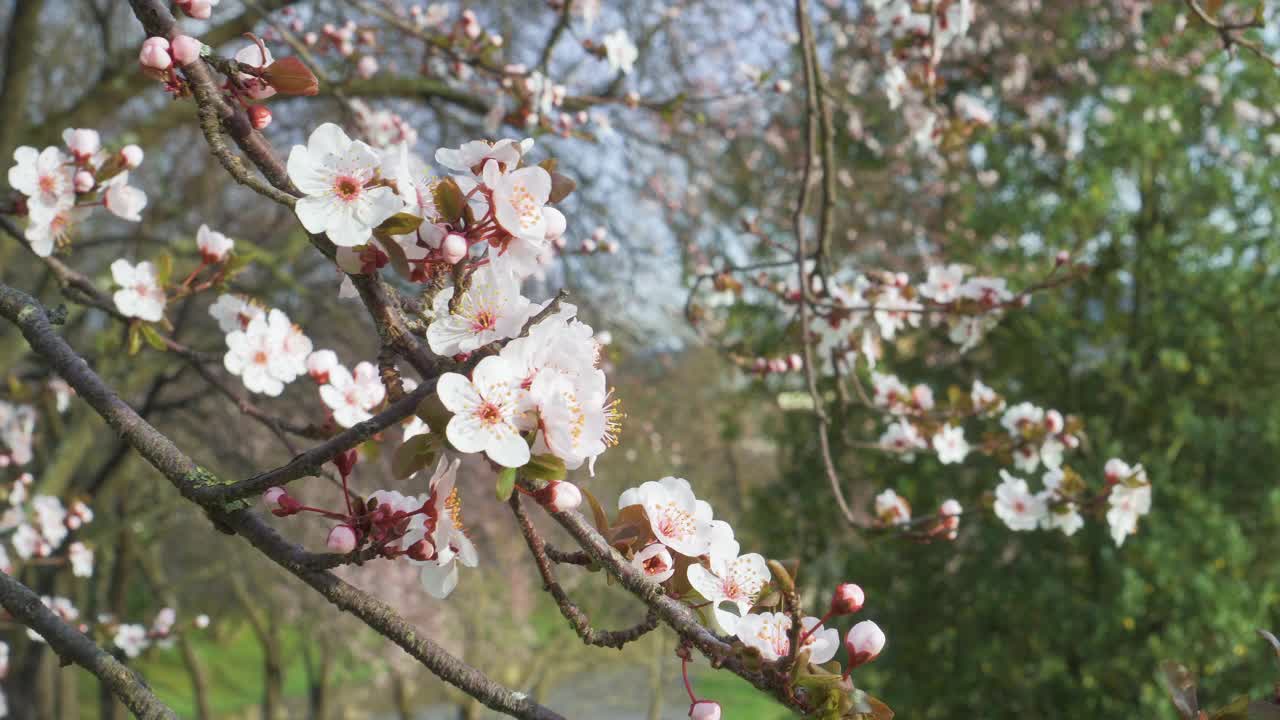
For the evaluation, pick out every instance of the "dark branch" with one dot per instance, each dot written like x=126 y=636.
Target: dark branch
x=76 y=647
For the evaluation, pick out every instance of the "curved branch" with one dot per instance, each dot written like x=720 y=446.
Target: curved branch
x=189 y=478
x=577 y=618
x=310 y=462
x=74 y=646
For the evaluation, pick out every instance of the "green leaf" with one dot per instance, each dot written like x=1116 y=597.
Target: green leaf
x=135 y=338
x=506 y=483
x=415 y=454
x=448 y=199
x=545 y=467
x=164 y=269
x=399 y=224
x=152 y=336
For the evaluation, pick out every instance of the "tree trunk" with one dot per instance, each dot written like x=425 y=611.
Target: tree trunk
x=272 y=665
x=400 y=692
x=24 y=31
x=109 y=708
x=318 y=686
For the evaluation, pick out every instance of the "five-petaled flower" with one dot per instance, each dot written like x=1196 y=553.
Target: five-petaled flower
x=140 y=294
x=490 y=412
x=335 y=174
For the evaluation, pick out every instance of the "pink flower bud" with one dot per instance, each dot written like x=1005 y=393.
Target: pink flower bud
x=847 y=599
x=132 y=156
x=761 y=364
x=272 y=496
x=342 y=539
x=155 y=54
x=185 y=49
x=864 y=643
x=795 y=361
x=705 y=710
x=367 y=67
x=320 y=363
x=563 y=496
x=202 y=621
x=778 y=365
x=84 y=181
x=1053 y=422
x=259 y=116
x=198 y=9
x=346 y=461
x=782 y=87
x=588 y=246
x=453 y=248
x=1063 y=257
x=422 y=550
x=84 y=143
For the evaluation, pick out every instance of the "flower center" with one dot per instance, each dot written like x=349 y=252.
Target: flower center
x=48 y=184
x=484 y=320
x=260 y=357
x=675 y=523
x=347 y=188
x=655 y=565
x=489 y=414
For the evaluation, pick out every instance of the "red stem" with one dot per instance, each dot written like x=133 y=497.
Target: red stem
x=684 y=670
x=814 y=629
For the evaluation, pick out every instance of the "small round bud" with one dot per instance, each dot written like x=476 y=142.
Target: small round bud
x=864 y=643
x=185 y=49
x=272 y=496
x=562 y=496
x=847 y=599
x=421 y=550
x=705 y=710
x=319 y=365
x=259 y=116
x=132 y=156
x=1062 y=258
x=155 y=54
x=198 y=9
x=453 y=248
x=795 y=361
x=346 y=461
x=782 y=87
x=778 y=365
x=761 y=365
x=202 y=621
x=588 y=246
x=84 y=181
x=342 y=539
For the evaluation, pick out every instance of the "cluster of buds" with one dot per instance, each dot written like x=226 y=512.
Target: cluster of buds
x=778 y=365
x=598 y=243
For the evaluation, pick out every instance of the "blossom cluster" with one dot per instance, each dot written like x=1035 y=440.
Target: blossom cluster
x=38 y=526
x=426 y=529
x=59 y=187
x=17 y=431
x=264 y=348
x=678 y=543
x=1057 y=506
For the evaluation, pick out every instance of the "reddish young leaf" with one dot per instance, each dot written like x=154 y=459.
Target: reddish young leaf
x=291 y=77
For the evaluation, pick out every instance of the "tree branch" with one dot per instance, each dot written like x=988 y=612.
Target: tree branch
x=188 y=477
x=74 y=646
x=578 y=619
